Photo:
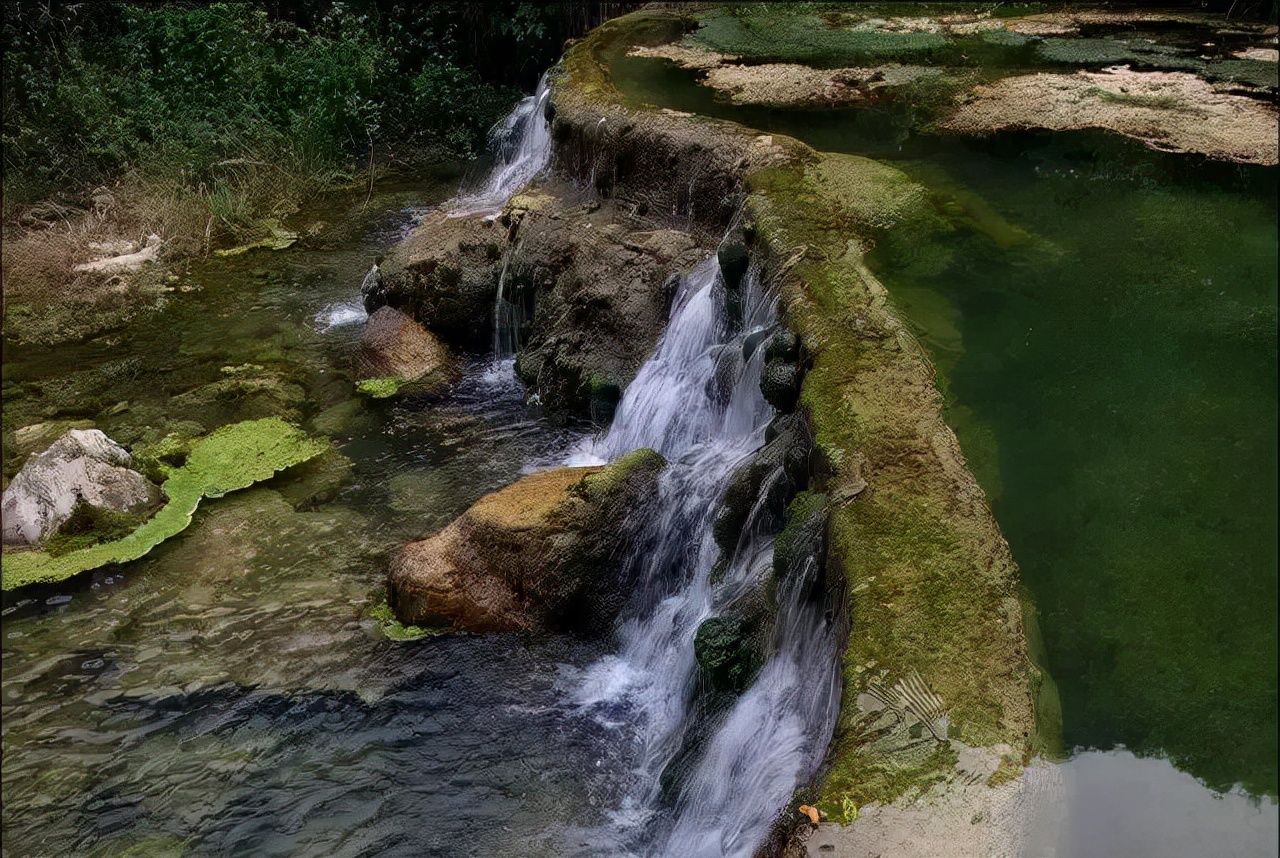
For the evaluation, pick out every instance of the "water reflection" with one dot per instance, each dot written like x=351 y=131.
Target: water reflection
x=1113 y=803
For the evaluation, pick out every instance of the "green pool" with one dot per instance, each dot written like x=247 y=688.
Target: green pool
x=1103 y=318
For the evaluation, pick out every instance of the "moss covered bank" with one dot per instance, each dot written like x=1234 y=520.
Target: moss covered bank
x=932 y=591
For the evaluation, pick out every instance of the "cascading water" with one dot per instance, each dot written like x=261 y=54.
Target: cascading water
x=775 y=734
x=506 y=314
x=521 y=147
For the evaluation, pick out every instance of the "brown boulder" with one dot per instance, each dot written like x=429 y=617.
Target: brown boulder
x=445 y=275
x=393 y=345
x=542 y=553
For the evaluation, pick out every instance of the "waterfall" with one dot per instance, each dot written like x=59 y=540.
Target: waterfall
x=521 y=149
x=774 y=735
x=506 y=314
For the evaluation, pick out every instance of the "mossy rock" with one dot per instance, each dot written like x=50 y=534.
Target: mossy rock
x=725 y=648
x=780 y=384
x=734 y=258
x=783 y=346
x=779 y=469
x=803 y=536
x=234 y=457
x=381 y=388
x=603 y=398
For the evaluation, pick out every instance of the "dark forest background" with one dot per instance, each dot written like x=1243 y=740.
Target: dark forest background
x=93 y=89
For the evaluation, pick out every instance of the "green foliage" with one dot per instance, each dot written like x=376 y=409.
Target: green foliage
x=456 y=107
x=196 y=92
x=392 y=629
x=234 y=457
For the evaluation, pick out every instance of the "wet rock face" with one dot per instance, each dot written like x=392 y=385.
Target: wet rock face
x=445 y=276
x=590 y=285
x=83 y=467
x=602 y=295
x=780 y=384
x=542 y=553
x=772 y=477
x=392 y=345
x=726 y=650
x=800 y=549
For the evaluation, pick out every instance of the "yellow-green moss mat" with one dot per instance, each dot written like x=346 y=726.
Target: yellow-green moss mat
x=234 y=457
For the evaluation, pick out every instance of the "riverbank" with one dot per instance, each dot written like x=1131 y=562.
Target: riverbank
x=932 y=588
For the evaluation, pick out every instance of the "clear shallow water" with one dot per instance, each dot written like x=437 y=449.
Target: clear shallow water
x=1103 y=319
x=229 y=694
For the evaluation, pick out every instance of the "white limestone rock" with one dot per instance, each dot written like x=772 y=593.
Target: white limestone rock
x=83 y=465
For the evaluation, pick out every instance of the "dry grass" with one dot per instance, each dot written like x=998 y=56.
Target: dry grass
x=46 y=300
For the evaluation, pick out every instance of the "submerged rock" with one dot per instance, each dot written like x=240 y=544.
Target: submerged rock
x=393 y=345
x=245 y=392
x=543 y=553
x=83 y=467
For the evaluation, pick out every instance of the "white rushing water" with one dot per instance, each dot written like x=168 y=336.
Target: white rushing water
x=773 y=737
x=521 y=149
x=520 y=146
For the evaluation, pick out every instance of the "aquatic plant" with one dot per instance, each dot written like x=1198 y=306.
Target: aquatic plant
x=393 y=629
x=381 y=388
x=234 y=457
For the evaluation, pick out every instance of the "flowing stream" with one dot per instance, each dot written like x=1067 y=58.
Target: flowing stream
x=231 y=693
x=774 y=735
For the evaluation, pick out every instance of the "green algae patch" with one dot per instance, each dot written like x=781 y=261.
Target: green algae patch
x=381 y=388
x=234 y=457
x=393 y=630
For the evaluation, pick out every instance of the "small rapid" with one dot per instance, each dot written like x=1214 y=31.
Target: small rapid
x=697 y=401
x=521 y=148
